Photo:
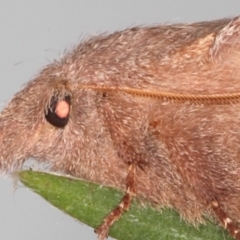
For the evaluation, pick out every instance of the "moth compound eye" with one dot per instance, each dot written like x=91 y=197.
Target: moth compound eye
x=58 y=111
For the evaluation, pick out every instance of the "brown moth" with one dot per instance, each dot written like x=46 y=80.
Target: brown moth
x=151 y=110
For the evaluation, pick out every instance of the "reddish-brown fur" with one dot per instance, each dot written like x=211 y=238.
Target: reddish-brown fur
x=186 y=150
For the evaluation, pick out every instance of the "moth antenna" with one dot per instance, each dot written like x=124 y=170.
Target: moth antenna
x=208 y=99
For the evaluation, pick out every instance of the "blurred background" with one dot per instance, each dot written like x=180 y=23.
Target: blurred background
x=32 y=34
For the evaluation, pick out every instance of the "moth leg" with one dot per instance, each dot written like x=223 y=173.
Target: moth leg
x=124 y=205
x=227 y=222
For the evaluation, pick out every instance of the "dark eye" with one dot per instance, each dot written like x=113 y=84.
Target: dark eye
x=58 y=112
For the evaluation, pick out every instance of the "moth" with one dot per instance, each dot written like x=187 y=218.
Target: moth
x=152 y=110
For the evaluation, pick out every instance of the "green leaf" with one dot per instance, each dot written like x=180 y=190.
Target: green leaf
x=90 y=203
